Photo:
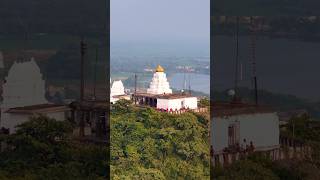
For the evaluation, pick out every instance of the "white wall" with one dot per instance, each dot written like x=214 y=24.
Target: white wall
x=11 y=120
x=262 y=129
x=189 y=102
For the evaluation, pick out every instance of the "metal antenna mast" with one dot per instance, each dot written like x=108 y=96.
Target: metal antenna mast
x=26 y=37
x=254 y=70
x=95 y=75
x=237 y=58
x=83 y=48
x=135 y=88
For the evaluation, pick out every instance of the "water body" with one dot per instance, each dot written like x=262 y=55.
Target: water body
x=283 y=65
x=198 y=82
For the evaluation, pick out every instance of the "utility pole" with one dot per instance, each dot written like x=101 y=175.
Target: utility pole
x=237 y=58
x=254 y=70
x=95 y=75
x=83 y=48
x=135 y=88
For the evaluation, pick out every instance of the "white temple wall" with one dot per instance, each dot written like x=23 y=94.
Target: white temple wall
x=262 y=129
x=191 y=102
x=11 y=120
x=177 y=104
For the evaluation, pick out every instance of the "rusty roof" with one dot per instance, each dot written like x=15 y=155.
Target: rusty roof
x=39 y=108
x=220 y=109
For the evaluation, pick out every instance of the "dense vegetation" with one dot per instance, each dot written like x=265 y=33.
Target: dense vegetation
x=152 y=145
x=42 y=149
x=258 y=167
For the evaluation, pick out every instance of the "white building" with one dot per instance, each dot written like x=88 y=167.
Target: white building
x=177 y=102
x=160 y=96
x=24 y=96
x=235 y=125
x=117 y=92
x=159 y=83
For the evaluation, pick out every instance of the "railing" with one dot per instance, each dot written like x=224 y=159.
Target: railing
x=198 y=110
x=289 y=149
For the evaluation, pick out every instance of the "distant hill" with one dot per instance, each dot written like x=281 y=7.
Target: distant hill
x=265 y=7
x=54 y=16
x=280 y=102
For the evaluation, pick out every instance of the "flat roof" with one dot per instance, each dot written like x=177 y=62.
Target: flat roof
x=221 y=109
x=164 y=96
x=39 y=108
x=90 y=105
x=120 y=96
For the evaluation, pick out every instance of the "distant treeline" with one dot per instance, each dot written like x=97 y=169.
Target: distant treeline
x=305 y=27
x=279 y=102
x=265 y=7
x=54 y=16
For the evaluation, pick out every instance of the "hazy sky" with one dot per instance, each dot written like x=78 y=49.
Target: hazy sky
x=160 y=21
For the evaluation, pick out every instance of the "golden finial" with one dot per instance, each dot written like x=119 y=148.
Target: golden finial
x=159 y=69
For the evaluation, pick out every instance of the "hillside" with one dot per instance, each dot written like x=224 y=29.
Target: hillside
x=153 y=145
x=278 y=101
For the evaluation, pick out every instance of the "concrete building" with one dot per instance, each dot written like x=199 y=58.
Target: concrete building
x=117 y=92
x=159 y=83
x=24 y=96
x=235 y=126
x=159 y=95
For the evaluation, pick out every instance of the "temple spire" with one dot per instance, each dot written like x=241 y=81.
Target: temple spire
x=159 y=69
x=159 y=83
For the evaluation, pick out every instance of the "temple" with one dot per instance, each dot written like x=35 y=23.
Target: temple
x=117 y=92
x=159 y=83
x=159 y=95
x=24 y=96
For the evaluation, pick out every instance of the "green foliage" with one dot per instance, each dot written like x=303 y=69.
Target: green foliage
x=204 y=102
x=41 y=149
x=154 y=145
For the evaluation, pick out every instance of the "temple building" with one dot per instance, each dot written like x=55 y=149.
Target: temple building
x=160 y=96
x=159 y=83
x=239 y=127
x=117 y=92
x=24 y=96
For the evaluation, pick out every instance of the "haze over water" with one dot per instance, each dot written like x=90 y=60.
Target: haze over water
x=283 y=65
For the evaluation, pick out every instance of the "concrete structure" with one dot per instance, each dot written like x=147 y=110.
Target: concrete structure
x=24 y=96
x=19 y=115
x=177 y=103
x=167 y=102
x=160 y=96
x=117 y=92
x=92 y=119
x=159 y=83
x=235 y=125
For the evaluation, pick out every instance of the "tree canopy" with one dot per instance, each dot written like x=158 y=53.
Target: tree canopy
x=154 y=145
x=42 y=149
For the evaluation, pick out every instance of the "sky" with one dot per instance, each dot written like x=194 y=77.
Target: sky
x=160 y=21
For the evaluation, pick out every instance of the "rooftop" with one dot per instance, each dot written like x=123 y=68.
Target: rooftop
x=164 y=96
x=39 y=108
x=238 y=108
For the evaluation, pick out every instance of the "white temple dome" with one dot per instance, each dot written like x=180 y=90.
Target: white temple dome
x=159 y=83
x=117 y=88
x=24 y=85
